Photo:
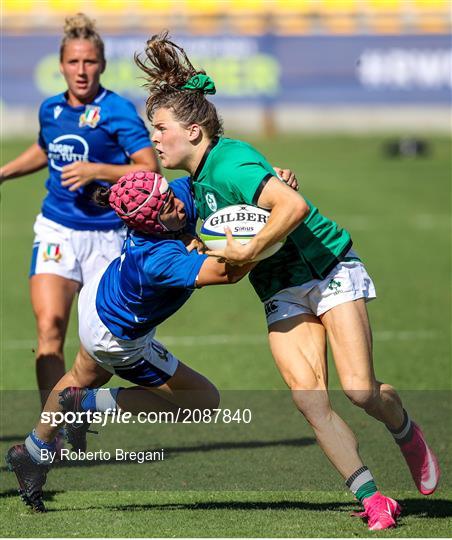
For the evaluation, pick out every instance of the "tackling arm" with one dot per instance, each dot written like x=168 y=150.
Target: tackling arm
x=213 y=272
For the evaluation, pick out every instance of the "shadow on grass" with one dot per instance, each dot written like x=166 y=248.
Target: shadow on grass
x=240 y=505
x=428 y=508
x=435 y=508
x=48 y=495
x=219 y=505
x=12 y=438
x=420 y=508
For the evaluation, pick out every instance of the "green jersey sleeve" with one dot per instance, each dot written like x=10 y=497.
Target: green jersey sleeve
x=242 y=171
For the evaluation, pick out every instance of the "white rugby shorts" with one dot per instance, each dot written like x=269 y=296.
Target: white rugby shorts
x=347 y=281
x=73 y=254
x=143 y=361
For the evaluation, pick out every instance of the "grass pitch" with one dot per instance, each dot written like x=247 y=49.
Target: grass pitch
x=267 y=478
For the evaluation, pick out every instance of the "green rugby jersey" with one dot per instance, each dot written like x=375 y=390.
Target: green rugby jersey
x=233 y=172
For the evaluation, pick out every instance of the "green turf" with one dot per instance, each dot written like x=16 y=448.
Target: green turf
x=398 y=212
x=240 y=514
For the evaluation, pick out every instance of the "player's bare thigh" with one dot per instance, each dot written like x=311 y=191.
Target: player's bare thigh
x=186 y=389
x=84 y=373
x=350 y=338
x=298 y=345
x=51 y=298
x=87 y=372
x=190 y=389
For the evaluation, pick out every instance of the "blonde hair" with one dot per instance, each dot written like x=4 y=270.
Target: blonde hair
x=80 y=26
x=167 y=68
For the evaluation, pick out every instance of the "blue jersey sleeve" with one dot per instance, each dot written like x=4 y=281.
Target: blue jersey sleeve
x=182 y=190
x=129 y=128
x=169 y=264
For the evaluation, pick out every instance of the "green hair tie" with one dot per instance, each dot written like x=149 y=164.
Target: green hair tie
x=200 y=82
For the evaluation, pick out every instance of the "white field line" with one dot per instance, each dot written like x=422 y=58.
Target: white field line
x=241 y=339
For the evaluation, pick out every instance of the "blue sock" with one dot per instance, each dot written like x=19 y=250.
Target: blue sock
x=100 y=399
x=89 y=400
x=39 y=450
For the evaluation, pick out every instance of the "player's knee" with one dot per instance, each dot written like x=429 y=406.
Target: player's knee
x=81 y=378
x=86 y=373
x=363 y=396
x=313 y=404
x=51 y=330
x=205 y=394
x=311 y=380
x=210 y=397
x=214 y=398
x=205 y=397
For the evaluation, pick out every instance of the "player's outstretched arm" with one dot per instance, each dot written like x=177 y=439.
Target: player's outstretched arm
x=33 y=159
x=213 y=272
x=80 y=173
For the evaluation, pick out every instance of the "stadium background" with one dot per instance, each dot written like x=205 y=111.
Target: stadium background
x=320 y=86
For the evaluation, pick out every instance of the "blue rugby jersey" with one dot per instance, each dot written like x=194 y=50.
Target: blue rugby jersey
x=108 y=130
x=151 y=279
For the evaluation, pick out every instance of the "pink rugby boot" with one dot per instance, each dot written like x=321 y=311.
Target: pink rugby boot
x=380 y=512
x=421 y=461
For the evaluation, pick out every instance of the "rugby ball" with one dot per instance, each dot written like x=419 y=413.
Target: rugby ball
x=244 y=220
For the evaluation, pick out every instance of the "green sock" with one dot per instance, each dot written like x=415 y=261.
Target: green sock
x=366 y=490
x=362 y=484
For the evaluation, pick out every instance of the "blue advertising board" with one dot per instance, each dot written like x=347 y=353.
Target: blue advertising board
x=330 y=70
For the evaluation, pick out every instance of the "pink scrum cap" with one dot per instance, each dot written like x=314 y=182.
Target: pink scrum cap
x=138 y=199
